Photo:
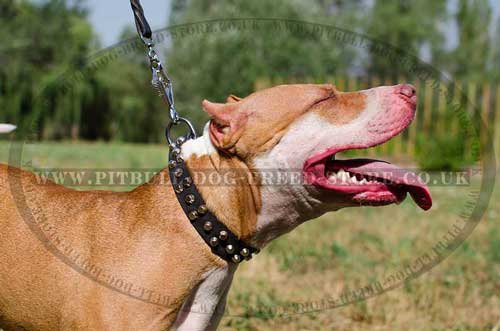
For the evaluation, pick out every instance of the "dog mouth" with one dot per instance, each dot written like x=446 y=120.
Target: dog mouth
x=365 y=181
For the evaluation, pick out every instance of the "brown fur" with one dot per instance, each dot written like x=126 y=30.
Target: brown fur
x=343 y=108
x=236 y=205
x=125 y=233
x=142 y=237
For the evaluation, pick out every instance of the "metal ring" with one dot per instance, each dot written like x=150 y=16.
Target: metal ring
x=191 y=134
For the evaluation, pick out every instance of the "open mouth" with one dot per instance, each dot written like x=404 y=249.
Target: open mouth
x=366 y=181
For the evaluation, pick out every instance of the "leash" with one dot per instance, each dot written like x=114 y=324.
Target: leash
x=222 y=241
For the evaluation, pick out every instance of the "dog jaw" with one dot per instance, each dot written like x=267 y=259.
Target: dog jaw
x=293 y=129
x=350 y=121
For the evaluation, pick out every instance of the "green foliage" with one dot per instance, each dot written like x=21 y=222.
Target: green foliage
x=408 y=25
x=43 y=42
x=495 y=55
x=444 y=151
x=470 y=58
x=232 y=58
x=39 y=43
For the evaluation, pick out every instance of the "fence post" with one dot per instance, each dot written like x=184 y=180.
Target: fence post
x=485 y=112
x=471 y=111
x=412 y=131
x=457 y=98
x=428 y=106
x=341 y=84
x=497 y=124
x=441 y=120
x=262 y=83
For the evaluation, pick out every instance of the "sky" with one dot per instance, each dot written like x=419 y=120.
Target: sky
x=109 y=17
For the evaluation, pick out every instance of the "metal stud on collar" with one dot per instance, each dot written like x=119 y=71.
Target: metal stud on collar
x=193 y=215
x=218 y=237
x=214 y=241
x=223 y=235
x=190 y=199
x=208 y=226
x=183 y=185
x=245 y=252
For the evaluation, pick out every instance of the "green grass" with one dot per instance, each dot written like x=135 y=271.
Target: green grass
x=344 y=250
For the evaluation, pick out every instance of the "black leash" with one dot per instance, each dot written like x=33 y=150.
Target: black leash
x=221 y=240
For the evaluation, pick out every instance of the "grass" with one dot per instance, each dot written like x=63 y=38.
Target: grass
x=344 y=250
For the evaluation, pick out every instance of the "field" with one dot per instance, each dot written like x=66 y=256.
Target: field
x=343 y=251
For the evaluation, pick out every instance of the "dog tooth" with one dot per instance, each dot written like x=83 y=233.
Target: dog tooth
x=340 y=174
x=354 y=180
x=363 y=181
x=345 y=177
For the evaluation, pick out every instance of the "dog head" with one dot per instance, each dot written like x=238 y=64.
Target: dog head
x=300 y=128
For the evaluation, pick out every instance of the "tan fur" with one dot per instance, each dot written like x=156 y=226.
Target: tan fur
x=343 y=108
x=263 y=117
x=126 y=233
x=142 y=236
x=235 y=204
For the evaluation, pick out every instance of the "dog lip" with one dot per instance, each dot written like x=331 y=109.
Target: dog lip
x=392 y=184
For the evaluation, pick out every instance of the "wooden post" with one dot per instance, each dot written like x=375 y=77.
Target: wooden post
x=412 y=131
x=428 y=107
x=351 y=84
x=471 y=111
x=262 y=83
x=497 y=124
x=442 y=109
x=457 y=99
x=341 y=84
x=485 y=113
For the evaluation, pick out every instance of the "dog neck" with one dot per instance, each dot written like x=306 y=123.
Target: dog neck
x=236 y=193
x=226 y=184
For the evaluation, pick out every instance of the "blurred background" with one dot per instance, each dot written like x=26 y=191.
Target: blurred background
x=110 y=117
x=45 y=41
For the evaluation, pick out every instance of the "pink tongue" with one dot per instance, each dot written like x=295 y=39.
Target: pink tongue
x=393 y=175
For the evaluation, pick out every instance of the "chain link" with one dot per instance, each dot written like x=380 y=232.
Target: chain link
x=162 y=83
x=160 y=80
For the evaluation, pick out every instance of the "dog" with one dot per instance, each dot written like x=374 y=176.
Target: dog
x=7 y=128
x=143 y=236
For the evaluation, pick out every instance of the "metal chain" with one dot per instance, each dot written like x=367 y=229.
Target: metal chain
x=160 y=81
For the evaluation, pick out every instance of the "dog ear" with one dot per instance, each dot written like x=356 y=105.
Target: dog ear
x=226 y=122
x=233 y=98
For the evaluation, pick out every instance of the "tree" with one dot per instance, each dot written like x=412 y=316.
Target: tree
x=43 y=40
x=407 y=25
x=470 y=58
x=233 y=57
x=494 y=65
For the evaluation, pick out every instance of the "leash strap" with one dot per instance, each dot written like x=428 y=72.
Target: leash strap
x=221 y=240
x=141 y=23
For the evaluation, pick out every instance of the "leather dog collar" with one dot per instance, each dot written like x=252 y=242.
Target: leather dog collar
x=218 y=237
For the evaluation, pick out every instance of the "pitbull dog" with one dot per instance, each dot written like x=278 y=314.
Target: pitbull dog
x=144 y=239
x=7 y=128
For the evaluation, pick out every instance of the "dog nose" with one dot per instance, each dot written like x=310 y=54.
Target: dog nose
x=407 y=90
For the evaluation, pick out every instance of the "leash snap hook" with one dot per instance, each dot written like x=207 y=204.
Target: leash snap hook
x=180 y=140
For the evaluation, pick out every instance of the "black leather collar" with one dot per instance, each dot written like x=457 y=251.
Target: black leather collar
x=218 y=237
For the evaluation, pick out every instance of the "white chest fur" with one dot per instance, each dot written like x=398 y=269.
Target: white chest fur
x=204 y=307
